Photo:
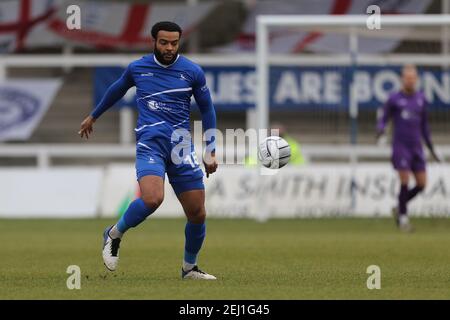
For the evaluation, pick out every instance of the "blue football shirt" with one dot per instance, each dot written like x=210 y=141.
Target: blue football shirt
x=163 y=96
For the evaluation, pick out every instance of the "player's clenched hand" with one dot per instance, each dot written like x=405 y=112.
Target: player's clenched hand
x=210 y=162
x=86 y=127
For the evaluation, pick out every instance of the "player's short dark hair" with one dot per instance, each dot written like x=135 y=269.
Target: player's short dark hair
x=165 y=26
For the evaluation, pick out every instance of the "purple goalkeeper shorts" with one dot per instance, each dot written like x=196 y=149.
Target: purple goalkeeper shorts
x=408 y=157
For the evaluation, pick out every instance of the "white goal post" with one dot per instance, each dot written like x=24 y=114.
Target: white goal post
x=264 y=22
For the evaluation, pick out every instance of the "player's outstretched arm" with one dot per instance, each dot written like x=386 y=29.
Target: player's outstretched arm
x=206 y=107
x=115 y=92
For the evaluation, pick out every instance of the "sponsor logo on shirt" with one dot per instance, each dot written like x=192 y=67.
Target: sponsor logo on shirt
x=148 y=74
x=153 y=104
x=161 y=106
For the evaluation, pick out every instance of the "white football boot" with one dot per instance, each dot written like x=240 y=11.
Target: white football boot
x=402 y=221
x=197 y=274
x=404 y=224
x=110 y=251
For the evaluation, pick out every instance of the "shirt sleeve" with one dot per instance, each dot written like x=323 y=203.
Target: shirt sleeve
x=424 y=126
x=386 y=114
x=203 y=98
x=114 y=93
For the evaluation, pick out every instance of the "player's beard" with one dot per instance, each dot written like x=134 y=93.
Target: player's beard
x=160 y=57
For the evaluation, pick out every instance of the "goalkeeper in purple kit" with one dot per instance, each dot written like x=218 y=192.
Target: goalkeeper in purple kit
x=408 y=110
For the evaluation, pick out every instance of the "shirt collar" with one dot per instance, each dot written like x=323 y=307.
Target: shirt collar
x=164 y=65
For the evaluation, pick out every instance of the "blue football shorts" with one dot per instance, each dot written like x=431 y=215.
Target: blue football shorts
x=158 y=156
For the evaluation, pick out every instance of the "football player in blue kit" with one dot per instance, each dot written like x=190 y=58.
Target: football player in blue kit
x=165 y=81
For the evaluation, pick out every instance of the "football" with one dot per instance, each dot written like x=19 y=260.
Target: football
x=274 y=152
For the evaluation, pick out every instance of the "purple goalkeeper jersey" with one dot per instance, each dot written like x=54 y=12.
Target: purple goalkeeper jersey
x=409 y=116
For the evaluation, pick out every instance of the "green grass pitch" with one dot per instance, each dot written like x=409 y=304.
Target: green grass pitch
x=280 y=259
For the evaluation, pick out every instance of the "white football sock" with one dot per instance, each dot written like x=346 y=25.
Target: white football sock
x=187 y=266
x=114 y=233
x=404 y=219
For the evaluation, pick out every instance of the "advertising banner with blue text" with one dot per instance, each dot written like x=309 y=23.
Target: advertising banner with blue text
x=302 y=88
